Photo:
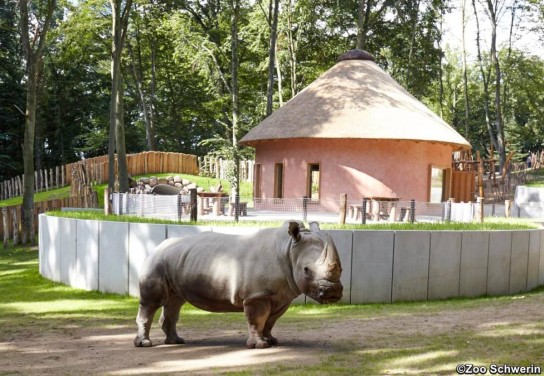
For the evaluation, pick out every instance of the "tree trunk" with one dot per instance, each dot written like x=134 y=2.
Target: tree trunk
x=362 y=22
x=499 y=125
x=117 y=126
x=33 y=51
x=465 y=74
x=234 y=90
x=485 y=81
x=292 y=49
x=28 y=152
x=272 y=56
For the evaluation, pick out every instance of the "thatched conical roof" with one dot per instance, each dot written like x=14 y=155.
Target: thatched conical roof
x=355 y=99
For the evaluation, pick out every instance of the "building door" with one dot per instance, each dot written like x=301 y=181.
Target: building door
x=257 y=181
x=313 y=181
x=278 y=180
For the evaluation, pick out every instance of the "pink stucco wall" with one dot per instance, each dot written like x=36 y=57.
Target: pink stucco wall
x=389 y=168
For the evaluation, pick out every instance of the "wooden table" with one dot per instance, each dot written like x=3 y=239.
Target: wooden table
x=374 y=208
x=204 y=203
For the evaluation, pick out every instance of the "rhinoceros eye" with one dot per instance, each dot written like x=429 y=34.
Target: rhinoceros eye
x=307 y=271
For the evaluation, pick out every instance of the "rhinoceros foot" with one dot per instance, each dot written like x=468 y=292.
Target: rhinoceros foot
x=174 y=341
x=142 y=342
x=272 y=341
x=257 y=343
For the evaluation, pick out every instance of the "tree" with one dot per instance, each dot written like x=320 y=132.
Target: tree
x=34 y=27
x=120 y=16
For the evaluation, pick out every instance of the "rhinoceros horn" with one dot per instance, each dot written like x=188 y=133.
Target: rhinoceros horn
x=330 y=262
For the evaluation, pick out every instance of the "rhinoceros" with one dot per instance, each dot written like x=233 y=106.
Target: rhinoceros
x=256 y=274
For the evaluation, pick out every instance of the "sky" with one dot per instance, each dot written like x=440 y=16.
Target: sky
x=525 y=40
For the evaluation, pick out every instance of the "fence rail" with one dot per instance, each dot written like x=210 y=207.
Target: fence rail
x=178 y=208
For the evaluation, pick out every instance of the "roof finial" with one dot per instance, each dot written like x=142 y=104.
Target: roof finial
x=356 y=55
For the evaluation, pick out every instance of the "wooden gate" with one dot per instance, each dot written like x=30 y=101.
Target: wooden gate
x=463 y=186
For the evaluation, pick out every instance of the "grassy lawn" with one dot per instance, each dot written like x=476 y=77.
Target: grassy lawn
x=489 y=224
x=402 y=338
x=52 y=194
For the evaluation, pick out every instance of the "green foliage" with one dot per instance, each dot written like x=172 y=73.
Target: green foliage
x=12 y=95
x=177 y=70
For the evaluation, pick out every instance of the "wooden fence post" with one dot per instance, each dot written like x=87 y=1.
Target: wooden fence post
x=5 y=220
x=15 y=223
x=343 y=208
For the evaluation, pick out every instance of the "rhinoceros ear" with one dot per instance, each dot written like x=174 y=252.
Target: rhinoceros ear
x=294 y=231
x=314 y=227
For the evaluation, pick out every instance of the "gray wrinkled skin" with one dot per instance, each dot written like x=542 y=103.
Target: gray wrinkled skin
x=256 y=274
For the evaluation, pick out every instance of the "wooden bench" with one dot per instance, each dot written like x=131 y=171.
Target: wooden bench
x=242 y=206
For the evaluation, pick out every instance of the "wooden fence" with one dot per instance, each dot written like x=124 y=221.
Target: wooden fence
x=11 y=217
x=149 y=162
x=97 y=171
x=44 y=180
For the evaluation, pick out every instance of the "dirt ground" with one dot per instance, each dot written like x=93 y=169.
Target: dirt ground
x=82 y=351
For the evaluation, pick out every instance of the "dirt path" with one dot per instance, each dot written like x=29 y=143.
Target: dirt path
x=72 y=350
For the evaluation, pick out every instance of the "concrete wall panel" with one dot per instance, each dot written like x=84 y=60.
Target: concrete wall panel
x=113 y=257
x=68 y=251
x=520 y=257
x=379 y=266
x=87 y=255
x=372 y=263
x=343 y=240
x=49 y=247
x=474 y=255
x=411 y=265
x=498 y=274
x=143 y=239
x=444 y=264
x=541 y=263
x=534 y=259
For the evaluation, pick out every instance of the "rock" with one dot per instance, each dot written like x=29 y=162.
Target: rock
x=153 y=181
x=178 y=184
x=185 y=182
x=144 y=180
x=170 y=178
x=178 y=179
x=190 y=186
x=163 y=181
x=199 y=189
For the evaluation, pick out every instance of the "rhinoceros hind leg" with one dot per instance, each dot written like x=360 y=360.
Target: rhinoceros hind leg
x=169 y=319
x=257 y=311
x=144 y=320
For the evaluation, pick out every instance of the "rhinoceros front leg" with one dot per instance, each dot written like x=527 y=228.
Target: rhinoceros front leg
x=257 y=312
x=267 y=332
x=169 y=319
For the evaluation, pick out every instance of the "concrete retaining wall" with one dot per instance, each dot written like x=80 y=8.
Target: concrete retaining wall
x=378 y=266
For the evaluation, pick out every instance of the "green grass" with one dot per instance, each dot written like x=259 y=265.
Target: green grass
x=432 y=337
x=489 y=225
x=52 y=194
